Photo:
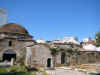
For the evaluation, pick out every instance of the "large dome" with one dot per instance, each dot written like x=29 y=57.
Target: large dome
x=13 y=28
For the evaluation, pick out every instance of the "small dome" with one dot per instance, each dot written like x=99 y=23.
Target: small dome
x=13 y=28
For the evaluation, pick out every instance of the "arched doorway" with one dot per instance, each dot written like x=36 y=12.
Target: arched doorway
x=49 y=62
x=8 y=55
x=63 y=58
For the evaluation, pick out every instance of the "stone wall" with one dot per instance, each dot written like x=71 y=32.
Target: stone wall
x=41 y=52
x=17 y=46
x=87 y=57
x=40 y=55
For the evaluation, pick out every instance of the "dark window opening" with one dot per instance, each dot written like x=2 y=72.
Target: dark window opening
x=8 y=55
x=49 y=62
x=63 y=58
x=10 y=43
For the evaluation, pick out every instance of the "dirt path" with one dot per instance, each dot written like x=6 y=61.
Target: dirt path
x=64 y=72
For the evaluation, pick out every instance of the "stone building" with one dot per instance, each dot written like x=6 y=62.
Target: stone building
x=17 y=43
x=42 y=55
x=14 y=38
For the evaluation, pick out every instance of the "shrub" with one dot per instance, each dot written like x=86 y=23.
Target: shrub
x=3 y=70
x=92 y=74
x=17 y=69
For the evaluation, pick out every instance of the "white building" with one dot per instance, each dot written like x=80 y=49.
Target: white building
x=57 y=41
x=87 y=39
x=73 y=40
x=67 y=40
x=90 y=47
x=40 y=41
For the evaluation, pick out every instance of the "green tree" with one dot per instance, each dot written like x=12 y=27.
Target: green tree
x=98 y=39
x=73 y=51
x=54 y=52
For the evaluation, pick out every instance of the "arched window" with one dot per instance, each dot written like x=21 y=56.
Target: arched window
x=10 y=43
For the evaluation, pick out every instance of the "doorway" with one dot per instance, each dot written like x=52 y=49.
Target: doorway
x=8 y=55
x=49 y=62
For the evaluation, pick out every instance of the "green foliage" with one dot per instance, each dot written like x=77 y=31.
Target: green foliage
x=61 y=49
x=3 y=70
x=98 y=39
x=92 y=74
x=70 y=51
x=20 y=73
x=17 y=69
x=54 y=51
x=24 y=73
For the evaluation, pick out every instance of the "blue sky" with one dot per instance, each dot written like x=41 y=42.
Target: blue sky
x=52 y=19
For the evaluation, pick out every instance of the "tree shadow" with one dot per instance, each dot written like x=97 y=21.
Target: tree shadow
x=14 y=73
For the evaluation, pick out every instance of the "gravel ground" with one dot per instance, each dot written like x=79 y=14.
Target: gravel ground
x=64 y=72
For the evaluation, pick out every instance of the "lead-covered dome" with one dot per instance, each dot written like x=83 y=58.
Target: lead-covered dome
x=13 y=28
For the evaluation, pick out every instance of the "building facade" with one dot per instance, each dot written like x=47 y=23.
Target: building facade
x=13 y=40
x=16 y=43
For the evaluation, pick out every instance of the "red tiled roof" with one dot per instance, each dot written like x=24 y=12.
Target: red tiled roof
x=90 y=42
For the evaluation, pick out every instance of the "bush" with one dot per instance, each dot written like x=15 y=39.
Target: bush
x=92 y=74
x=3 y=70
x=29 y=68
x=18 y=69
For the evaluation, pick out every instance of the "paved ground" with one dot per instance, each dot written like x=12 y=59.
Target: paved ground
x=64 y=72
x=4 y=65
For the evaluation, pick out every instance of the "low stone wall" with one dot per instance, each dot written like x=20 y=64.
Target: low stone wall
x=85 y=57
x=88 y=57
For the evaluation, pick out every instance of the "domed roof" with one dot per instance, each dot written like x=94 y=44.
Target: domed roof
x=13 y=28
